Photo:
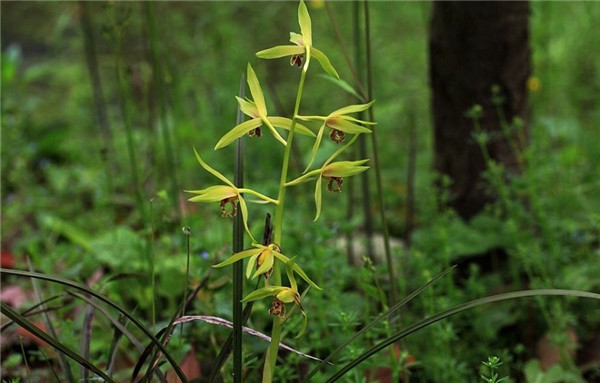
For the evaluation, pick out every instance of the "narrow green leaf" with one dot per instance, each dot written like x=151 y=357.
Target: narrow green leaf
x=280 y=51
x=53 y=342
x=453 y=311
x=325 y=63
x=89 y=291
x=378 y=319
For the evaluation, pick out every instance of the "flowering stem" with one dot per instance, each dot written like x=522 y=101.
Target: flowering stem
x=271 y=357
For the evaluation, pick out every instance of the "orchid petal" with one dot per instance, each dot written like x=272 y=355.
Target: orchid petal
x=286 y=123
x=247 y=107
x=343 y=125
x=256 y=91
x=237 y=132
x=303 y=275
x=213 y=194
x=325 y=63
x=251 y=265
x=237 y=256
x=263 y=292
x=212 y=171
x=287 y=296
x=351 y=109
x=305 y=24
x=315 y=148
x=267 y=263
x=344 y=168
x=244 y=209
x=318 y=198
x=280 y=51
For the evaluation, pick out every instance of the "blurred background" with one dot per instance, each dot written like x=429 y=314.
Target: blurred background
x=102 y=103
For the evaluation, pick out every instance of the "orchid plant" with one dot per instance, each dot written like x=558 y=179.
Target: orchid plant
x=266 y=261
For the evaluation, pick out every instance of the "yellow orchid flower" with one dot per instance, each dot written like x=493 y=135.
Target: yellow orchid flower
x=303 y=50
x=227 y=194
x=257 y=111
x=334 y=173
x=340 y=123
x=282 y=295
x=262 y=259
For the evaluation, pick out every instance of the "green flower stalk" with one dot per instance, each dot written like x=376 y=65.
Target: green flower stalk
x=227 y=194
x=257 y=110
x=267 y=260
x=303 y=50
x=334 y=173
x=340 y=123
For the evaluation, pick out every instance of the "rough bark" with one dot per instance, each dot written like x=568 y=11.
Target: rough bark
x=473 y=46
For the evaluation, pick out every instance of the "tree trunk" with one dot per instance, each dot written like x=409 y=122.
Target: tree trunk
x=474 y=46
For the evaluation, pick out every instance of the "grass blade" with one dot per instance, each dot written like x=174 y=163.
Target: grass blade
x=64 y=364
x=380 y=317
x=455 y=310
x=52 y=341
x=80 y=287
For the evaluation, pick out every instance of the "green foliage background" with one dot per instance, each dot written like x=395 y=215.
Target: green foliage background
x=57 y=208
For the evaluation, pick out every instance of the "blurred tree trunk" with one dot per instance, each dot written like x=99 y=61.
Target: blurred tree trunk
x=474 y=46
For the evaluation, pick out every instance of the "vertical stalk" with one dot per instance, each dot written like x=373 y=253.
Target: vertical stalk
x=271 y=356
x=238 y=245
x=362 y=147
x=386 y=235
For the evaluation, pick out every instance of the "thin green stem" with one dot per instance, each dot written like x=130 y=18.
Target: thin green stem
x=271 y=357
x=376 y=163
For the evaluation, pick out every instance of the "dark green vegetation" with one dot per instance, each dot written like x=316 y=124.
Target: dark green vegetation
x=103 y=204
